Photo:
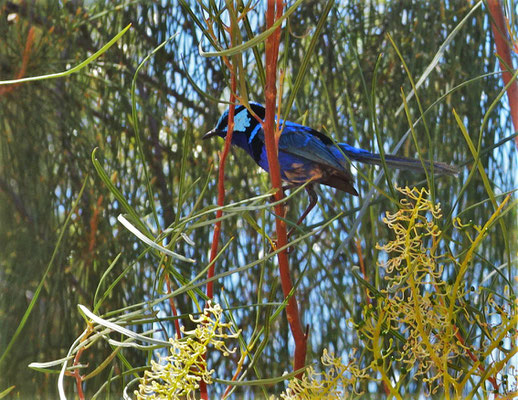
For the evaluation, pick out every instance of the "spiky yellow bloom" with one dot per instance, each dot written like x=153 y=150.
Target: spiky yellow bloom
x=336 y=381
x=179 y=374
x=420 y=311
x=415 y=302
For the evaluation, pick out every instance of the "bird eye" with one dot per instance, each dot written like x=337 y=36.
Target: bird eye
x=222 y=127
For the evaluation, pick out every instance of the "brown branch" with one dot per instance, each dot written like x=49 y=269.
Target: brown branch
x=221 y=184
x=500 y=34
x=154 y=155
x=25 y=62
x=475 y=359
x=362 y=268
x=78 y=377
x=17 y=200
x=94 y=222
x=274 y=12
x=221 y=180
x=178 y=334
x=472 y=356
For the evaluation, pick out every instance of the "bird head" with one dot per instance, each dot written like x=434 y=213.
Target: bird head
x=244 y=122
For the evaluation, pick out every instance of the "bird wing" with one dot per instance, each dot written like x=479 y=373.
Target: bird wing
x=311 y=146
x=306 y=145
x=301 y=141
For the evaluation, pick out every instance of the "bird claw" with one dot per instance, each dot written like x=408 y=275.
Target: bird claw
x=275 y=245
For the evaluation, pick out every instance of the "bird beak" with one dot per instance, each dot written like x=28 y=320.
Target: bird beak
x=210 y=134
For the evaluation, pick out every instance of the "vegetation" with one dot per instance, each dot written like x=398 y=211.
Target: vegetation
x=108 y=203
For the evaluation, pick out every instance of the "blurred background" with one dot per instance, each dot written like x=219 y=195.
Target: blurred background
x=48 y=130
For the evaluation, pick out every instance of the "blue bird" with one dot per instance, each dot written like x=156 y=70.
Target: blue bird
x=308 y=155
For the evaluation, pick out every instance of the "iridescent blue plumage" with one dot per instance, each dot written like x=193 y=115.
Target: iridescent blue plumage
x=306 y=154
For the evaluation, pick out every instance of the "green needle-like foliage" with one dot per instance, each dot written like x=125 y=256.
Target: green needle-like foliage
x=418 y=78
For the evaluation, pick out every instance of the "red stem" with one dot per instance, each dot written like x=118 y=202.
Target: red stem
x=173 y=307
x=25 y=61
x=274 y=12
x=221 y=202
x=94 y=222
x=499 y=28
x=474 y=358
x=362 y=269
x=221 y=182
x=77 y=375
x=221 y=188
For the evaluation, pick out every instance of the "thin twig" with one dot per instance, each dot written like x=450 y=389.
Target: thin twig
x=173 y=307
x=25 y=61
x=362 y=267
x=221 y=184
x=78 y=377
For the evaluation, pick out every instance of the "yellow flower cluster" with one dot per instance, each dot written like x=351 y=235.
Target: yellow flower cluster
x=415 y=301
x=410 y=328
x=422 y=311
x=336 y=381
x=179 y=374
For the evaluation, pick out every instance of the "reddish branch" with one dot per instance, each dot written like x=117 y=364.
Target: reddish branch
x=94 y=221
x=474 y=358
x=178 y=334
x=78 y=377
x=221 y=202
x=221 y=186
x=25 y=62
x=273 y=13
x=500 y=35
x=221 y=183
x=362 y=268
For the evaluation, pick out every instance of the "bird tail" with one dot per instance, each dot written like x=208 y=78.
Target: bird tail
x=412 y=164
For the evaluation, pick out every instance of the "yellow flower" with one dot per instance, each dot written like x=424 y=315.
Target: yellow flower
x=179 y=374
x=336 y=381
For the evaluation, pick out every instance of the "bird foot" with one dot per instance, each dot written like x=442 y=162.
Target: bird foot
x=275 y=245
